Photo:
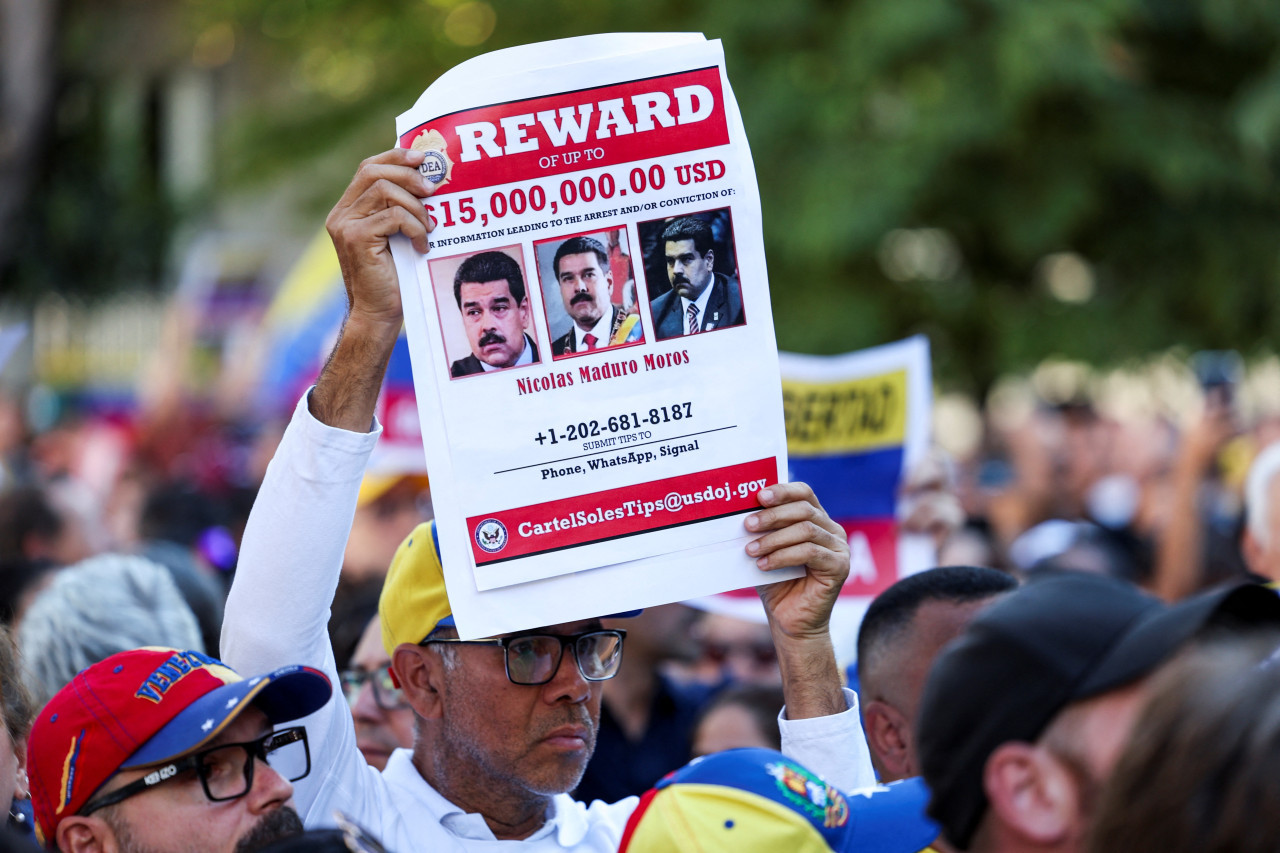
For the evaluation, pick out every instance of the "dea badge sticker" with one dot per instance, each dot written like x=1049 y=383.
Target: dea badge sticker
x=491 y=535
x=436 y=166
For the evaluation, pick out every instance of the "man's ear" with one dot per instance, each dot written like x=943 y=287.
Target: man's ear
x=420 y=672
x=22 y=791
x=79 y=834
x=710 y=258
x=889 y=736
x=1030 y=793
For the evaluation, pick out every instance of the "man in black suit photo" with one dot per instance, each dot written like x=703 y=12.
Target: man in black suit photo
x=700 y=299
x=489 y=290
x=581 y=267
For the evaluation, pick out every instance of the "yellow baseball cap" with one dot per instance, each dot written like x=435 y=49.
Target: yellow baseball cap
x=414 y=601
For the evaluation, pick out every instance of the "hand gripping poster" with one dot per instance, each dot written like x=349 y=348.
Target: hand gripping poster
x=591 y=335
x=857 y=425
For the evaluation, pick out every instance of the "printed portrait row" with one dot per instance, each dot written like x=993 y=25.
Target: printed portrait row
x=588 y=292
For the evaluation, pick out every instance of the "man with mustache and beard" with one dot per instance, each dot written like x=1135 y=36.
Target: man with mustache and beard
x=700 y=299
x=586 y=285
x=165 y=751
x=504 y=726
x=489 y=289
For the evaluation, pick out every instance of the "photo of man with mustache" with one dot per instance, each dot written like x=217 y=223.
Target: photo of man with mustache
x=700 y=299
x=489 y=290
x=582 y=271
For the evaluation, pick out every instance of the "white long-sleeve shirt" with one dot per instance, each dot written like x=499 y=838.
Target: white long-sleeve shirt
x=277 y=615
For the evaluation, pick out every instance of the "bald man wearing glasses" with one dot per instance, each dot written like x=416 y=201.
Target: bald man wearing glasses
x=504 y=726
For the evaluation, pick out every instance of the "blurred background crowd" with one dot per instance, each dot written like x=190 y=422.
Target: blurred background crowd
x=1076 y=202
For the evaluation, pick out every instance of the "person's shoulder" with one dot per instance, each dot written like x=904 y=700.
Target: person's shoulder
x=660 y=308
x=732 y=298
x=730 y=282
x=465 y=366
x=563 y=344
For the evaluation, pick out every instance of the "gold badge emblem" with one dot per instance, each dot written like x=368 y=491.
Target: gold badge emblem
x=436 y=166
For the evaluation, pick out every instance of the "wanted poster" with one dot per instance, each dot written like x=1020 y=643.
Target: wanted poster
x=591 y=335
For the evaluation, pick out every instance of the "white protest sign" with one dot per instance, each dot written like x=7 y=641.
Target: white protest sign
x=591 y=334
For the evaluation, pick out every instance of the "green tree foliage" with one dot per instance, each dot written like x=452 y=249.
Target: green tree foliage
x=919 y=160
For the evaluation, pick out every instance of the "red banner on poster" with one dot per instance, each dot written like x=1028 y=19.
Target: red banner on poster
x=613 y=514
x=571 y=131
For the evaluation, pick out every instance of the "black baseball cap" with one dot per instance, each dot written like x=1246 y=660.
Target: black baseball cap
x=1061 y=638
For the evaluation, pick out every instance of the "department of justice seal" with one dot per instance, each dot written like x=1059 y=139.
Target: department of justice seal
x=491 y=535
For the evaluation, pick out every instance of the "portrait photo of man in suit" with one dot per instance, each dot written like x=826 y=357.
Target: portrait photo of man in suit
x=489 y=291
x=704 y=295
x=582 y=276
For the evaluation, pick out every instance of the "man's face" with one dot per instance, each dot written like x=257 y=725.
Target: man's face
x=690 y=272
x=536 y=739
x=494 y=321
x=585 y=288
x=176 y=816
x=379 y=730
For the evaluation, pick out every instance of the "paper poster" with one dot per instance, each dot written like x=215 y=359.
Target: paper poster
x=591 y=333
x=856 y=424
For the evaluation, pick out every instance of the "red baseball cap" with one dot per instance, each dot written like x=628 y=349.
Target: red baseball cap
x=145 y=707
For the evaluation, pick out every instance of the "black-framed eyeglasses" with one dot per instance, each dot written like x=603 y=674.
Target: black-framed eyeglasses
x=226 y=770
x=535 y=658
x=385 y=693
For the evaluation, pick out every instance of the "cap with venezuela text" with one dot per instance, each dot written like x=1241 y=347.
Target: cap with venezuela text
x=143 y=707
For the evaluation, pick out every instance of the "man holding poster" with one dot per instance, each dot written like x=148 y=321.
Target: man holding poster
x=497 y=744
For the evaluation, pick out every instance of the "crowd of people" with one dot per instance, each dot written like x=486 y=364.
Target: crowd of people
x=215 y=657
